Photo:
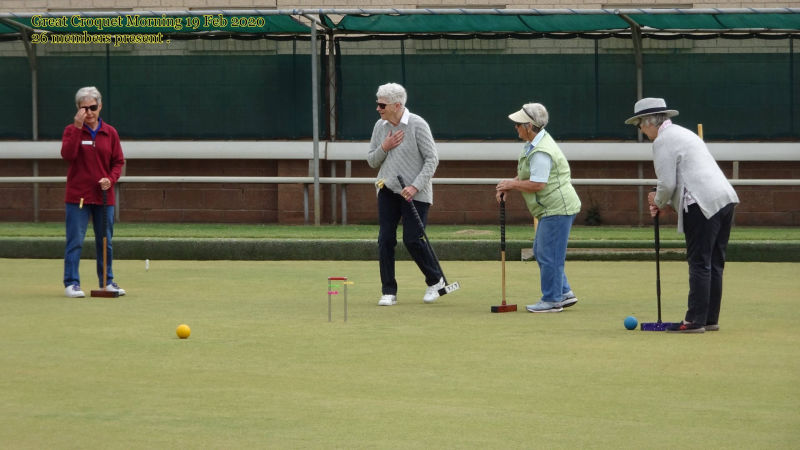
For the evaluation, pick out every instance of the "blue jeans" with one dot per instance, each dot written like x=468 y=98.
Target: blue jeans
x=77 y=219
x=391 y=208
x=550 y=250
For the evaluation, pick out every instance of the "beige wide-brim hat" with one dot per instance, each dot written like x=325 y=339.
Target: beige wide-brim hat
x=648 y=106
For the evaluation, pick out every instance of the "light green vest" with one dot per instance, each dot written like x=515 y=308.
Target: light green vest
x=558 y=198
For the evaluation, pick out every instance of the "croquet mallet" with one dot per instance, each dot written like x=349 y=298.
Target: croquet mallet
x=657 y=326
x=448 y=288
x=503 y=307
x=102 y=292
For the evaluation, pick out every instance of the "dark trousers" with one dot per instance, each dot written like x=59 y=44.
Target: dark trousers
x=706 y=243
x=391 y=208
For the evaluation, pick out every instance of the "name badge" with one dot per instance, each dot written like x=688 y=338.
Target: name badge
x=87 y=142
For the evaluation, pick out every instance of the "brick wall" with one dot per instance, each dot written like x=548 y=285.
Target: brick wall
x=453 y=204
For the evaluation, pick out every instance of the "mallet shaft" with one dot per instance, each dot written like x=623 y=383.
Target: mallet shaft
x=658 y=266
x=503 y=245
x=422 y=228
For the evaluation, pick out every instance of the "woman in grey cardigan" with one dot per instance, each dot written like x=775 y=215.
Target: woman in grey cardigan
x=691 y=182
x=402 y=144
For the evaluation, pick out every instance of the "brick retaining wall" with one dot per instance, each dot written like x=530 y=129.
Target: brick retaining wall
x=453 y=204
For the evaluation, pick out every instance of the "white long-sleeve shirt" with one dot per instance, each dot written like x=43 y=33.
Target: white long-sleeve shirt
x=683 y=163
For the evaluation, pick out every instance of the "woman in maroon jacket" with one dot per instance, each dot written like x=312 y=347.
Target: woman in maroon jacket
x=95 y=158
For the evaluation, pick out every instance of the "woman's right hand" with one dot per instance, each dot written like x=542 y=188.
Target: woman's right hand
x=392 y=140
x=80 y=116
x=655 y=211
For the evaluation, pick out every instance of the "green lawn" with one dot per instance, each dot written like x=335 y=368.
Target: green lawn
x=264 y=368
x=435 y=232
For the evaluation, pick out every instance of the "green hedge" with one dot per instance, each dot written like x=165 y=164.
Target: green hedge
x=298 y=249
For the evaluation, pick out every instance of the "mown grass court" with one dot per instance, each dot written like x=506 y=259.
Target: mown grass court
x=264 y=368
x=348 y=232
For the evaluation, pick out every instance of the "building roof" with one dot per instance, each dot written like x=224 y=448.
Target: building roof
x=656 y=23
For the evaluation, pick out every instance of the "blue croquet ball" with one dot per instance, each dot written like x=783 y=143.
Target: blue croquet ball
x=631 y=322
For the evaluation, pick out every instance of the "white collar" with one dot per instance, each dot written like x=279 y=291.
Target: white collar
x=539 y=136
x=404 y=119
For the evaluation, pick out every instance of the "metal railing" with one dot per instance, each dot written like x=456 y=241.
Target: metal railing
x=342 y=182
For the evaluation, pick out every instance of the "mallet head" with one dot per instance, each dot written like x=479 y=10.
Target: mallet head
x=104 y=293
x=655 y=326
x=450 y=288
x=504 y=308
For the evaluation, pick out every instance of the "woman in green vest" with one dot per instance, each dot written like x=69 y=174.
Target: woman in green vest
x=543 y=178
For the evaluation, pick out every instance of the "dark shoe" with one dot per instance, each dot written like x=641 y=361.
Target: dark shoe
x=682 y=327
x=567 y=302
x=712 y=327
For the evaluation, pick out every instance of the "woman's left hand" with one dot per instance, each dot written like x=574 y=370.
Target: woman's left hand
x=105 y=184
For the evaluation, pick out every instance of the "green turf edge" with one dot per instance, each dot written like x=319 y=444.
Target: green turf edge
x=354 y=250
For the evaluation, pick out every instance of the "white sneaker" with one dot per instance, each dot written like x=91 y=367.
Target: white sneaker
x=74 y=291
x=387 y=300
x=113 y=287
x=432 y=293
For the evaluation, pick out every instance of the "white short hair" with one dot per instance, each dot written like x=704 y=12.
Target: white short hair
x=538 y=113
x=654 y=119
x=88 y=92
x=393 y=93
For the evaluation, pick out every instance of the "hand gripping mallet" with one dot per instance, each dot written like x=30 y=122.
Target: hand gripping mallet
x=657 y=326
x=503 y=307
x=448 y=288
x=102 y=292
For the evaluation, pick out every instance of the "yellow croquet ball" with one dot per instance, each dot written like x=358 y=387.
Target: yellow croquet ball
x=183 y=331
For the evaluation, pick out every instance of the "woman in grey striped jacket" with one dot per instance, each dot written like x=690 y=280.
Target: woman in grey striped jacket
x=402 y=144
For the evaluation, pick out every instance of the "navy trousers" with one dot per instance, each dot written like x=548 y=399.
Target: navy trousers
x=391 y=209
x=706 y=244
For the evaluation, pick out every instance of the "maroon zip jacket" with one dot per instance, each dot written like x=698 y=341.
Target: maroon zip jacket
x=89 y=161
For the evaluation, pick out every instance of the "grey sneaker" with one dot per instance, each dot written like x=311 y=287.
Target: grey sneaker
x=545 y=307
x=712 y=327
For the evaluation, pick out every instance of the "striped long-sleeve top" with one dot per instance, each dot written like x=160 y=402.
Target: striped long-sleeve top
x=415 y=159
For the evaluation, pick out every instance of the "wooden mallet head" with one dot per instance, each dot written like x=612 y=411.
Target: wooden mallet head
x=104 y=293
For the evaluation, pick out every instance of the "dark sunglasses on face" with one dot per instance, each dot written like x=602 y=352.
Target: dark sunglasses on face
x=381 y=105
x=87 y=108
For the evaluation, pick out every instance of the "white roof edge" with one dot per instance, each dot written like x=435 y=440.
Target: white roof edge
x=177 y=150
x=357 y=150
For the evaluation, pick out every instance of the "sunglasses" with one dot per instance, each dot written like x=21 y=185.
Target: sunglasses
x=381 y=105
x=92 y=108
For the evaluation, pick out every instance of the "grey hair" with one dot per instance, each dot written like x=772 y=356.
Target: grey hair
x=654 y=119
x=88 y=92
x=393 y=93
x=538 y=114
